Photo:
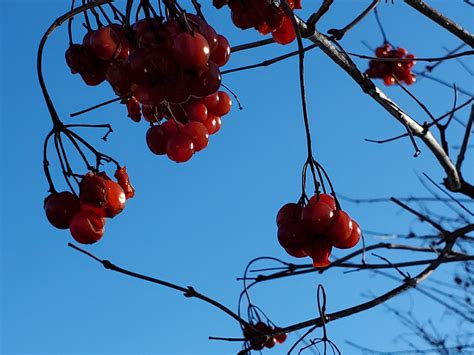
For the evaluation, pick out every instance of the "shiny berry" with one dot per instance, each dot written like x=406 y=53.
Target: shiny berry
x=353 y=238
x=86 y=227
x=60 y=208
x=289 y=212
x=197 y=132
x=221 y=54
x=191 y=51
x=317 y=217
x=340 y=228
x=180 y=148
x=223 y=106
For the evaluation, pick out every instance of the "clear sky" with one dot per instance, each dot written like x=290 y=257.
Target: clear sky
x=199 y=223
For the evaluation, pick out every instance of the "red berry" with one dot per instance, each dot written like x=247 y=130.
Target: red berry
x=324 y=198
x=285 y=33
x=340 y=229
x=157 y=136
x=410 y=79
x=196 y=110
x=292 y=235
x=319 y=250
x=401 y=52
x=93 y=190
x=123 y=180
x=197 y=132
x=270 y=343
x=60 y=208
x=105 y=43
x=296 y=252
x=353 y=238
x=289 y=212
x=223 y=106
x=317 y=217
x=115 y=199
x=221 y=54
x=389 y=80
x=207 y=81
x=191 y=51
x=133 y=108
x=280 y=338
x=211 y=101
x=213 y=124
x=86 y=227
x=179 y=148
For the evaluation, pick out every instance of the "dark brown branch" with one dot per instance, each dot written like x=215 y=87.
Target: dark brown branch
x=465 y=141
x=188 y=291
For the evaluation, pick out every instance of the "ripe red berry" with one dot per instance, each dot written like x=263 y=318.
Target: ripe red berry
x=223 y=106
x=60 y=208
x=213 y=123
x=289 y=212
x=324 y=198
x=133 y=109
x=115 y=199
x=105 y=43
x=293 y=235
x=207 y=80
x=211 y=101
x=270 y=343
x=197 y=132
x=191 y=51
x=123 y=180
x=285 y=33
x=86 y=227
x=157 y=136
x=353 y=238
x=317 y=217
x=319 y=250
x=296 y=252
x=340 y=228
x=221 y=54
x=179 y=148
x=196 y=110
x=93 y=190
x=280 y=338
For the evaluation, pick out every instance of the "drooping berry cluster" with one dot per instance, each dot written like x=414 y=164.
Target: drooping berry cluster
x=165 y=70
x=258 y=344
x=265 y=16
x=313 y=230
x=188 y=126
x=389 y=70
x=99 y=197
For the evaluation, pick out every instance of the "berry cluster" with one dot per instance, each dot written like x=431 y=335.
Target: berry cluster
x=388 y=70
x=257 y=344
x=99 y=197
x=265 y=16
x=188 y=126
x=163 y=70
x=313 y=230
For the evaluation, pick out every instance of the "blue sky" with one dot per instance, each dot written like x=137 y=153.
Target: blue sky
x=199 y=223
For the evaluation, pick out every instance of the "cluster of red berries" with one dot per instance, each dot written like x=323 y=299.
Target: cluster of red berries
x=163 y=70
x=388 y=70
x=257 y=344
x=265 y=16
x=99 y=197
x=313 y=230
x=188 y=126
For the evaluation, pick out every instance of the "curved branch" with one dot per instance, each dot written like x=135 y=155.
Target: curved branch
x=453 y=181
x=406 y=285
